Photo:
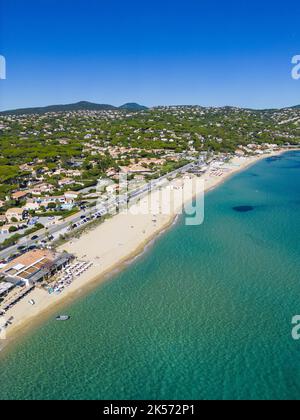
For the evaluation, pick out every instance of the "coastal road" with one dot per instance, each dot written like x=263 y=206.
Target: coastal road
x=60 y=228
x=42 y=235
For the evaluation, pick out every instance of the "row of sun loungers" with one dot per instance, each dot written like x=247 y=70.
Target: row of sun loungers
x=70 y=273
x=16 y=298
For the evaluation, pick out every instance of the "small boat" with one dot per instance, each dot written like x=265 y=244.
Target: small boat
x=63 y=318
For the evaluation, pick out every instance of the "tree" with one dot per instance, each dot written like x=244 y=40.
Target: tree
x=52 y=206
x=13 y=229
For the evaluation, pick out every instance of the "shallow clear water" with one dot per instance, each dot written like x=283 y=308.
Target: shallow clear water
x=204 y=314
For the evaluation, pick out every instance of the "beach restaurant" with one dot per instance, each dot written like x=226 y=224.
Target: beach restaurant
x=35 y=266
x=5 y=288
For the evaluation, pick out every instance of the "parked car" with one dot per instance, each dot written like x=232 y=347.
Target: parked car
x=32 y=247
x=21 y=248
x=13 y=257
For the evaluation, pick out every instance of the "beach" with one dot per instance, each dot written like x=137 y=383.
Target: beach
x=111 y=245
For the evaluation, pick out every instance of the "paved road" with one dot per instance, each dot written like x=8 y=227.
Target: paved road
x=42 y=235
x=61 y=228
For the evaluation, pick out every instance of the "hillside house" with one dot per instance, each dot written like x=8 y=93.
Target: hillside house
x=18 y=214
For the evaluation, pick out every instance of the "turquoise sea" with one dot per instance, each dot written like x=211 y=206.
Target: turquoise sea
x=205 y=313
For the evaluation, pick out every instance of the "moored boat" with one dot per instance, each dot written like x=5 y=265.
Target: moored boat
x=63 y=318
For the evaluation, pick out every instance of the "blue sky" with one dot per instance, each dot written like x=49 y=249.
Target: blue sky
x=154 y=52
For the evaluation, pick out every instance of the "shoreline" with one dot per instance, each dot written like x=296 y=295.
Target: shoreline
x=139 y=233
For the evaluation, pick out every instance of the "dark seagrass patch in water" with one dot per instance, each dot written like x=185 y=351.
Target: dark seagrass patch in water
x=243 y=209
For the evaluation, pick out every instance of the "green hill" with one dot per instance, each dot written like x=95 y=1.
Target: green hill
x=79 y=106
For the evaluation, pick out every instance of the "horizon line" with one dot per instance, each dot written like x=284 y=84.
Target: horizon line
x=149 y=107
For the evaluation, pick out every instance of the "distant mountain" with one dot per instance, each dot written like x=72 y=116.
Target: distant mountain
x=79 y=106
x=89 y=106
x=133 y=107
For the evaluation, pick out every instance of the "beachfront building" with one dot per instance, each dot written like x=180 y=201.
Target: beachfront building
x=5 y=288
x=35 y=266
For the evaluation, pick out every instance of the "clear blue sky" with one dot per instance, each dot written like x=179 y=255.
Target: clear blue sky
x=207 y=52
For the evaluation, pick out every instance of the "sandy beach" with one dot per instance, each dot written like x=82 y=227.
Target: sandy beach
x=109 y=246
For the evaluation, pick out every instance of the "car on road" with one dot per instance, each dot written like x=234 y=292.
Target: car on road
x=34 y=238
x=21 y=248
x=32 y=247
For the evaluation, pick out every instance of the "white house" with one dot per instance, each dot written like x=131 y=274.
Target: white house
x=71 y=196
x=66 y=181
x=112 y=189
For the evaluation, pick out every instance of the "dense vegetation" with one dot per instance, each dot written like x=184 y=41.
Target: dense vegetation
x=85 y=139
